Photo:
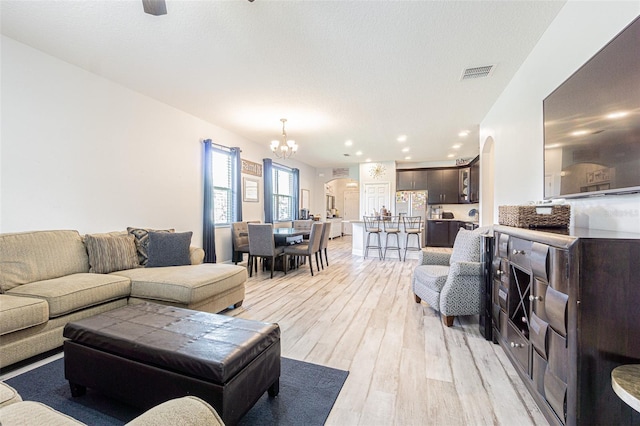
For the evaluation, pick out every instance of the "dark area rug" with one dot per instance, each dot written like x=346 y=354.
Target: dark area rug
x=307 y=394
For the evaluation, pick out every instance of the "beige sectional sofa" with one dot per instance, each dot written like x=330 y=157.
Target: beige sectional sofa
x=185 y=411
x=45 y=283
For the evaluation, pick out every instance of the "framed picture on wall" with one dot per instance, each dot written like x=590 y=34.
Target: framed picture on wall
x=250 y=190
x=305 y=199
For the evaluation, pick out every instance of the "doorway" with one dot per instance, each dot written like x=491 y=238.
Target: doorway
x=376 y=196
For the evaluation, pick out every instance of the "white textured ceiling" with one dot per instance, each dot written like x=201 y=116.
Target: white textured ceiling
x=366 y=71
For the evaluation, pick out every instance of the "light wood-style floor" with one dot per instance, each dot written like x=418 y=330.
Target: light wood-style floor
x=405 y=367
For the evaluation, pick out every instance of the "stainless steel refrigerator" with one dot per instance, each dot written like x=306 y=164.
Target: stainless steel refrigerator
x=413 y=203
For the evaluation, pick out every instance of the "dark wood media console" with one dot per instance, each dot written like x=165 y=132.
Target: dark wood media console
x=566 y=310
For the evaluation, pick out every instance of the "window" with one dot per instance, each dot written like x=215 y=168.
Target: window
x=222 y=186
x=283 y=194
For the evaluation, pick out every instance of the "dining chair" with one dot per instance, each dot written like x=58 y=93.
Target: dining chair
x=262 y=245
x=412 y=227
x=304 y=225
x=391 y=226
x=308 y=249
x=372 y=227
x=324 y=242
x=239 y=241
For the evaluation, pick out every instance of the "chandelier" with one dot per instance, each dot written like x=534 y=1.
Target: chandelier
x=284 y=148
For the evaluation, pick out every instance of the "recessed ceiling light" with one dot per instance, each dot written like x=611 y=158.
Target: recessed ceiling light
x=456 y=146
x=464 y=133
x=579 y=133
x=358 y=152
x=405 y=149
x=450 y=156
x=348 y=143
x=408 y=157
x=402 y=138
x=368 y=160
x=619 y=114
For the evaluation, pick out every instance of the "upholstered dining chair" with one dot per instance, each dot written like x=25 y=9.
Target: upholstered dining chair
x=450 y=282
x=324 y=242
x=308 y=249
x=262 y=245
x=304 y=225
x=239 y=240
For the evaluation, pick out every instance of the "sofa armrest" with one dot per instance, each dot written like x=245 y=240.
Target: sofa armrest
x=196 y=254
x=185 y=411
x=428 y=257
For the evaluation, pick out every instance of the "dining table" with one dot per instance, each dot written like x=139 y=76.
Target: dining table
x=289 y=236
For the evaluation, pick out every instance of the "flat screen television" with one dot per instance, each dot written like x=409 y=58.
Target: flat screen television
x=592 y=124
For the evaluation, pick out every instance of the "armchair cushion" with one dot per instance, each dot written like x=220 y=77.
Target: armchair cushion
x=432 y=276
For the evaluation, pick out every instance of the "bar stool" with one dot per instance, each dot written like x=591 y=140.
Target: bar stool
x=412 y=226
x=372 y=227
x=391 y=226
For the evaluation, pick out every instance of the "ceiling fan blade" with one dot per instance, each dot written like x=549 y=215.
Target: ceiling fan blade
x=154 y=7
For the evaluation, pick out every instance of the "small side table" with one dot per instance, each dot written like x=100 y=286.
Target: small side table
x=625 y=381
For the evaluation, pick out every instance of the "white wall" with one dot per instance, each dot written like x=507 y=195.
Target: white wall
x=81 y=152
x=579 y=31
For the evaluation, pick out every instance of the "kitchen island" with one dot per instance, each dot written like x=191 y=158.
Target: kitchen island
x=359 y=242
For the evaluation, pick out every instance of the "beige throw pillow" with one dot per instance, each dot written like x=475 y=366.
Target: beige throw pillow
x=111 y=253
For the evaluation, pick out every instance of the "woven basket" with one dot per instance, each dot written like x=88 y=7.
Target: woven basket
x=535 y=216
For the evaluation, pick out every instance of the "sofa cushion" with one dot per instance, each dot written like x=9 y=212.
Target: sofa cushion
x=169 y=249
x=34 y=413
x=18 y=313
x=42 y=255
x=75 y=292
x=184 y=284
x=431 y=276
x=8 y=395
x=111 y=253
x=466 y=247
x=142 y=241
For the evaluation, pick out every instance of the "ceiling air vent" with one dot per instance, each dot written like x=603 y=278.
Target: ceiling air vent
x=477 y=72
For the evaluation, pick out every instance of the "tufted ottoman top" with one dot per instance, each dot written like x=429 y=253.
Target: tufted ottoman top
x=208 y=346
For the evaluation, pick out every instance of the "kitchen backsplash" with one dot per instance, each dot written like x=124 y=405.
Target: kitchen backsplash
x=460 y=211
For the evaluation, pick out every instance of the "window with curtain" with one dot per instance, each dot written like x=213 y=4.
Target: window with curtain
x=284 y=195
x=223 y=188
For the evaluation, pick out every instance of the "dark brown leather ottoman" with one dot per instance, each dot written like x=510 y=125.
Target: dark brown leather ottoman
x=146 y=354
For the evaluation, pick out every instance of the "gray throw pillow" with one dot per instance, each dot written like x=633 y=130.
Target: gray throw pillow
x=142 y=241
x=169 y=249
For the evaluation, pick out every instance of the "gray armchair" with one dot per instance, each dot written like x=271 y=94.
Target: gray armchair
x=450 y=282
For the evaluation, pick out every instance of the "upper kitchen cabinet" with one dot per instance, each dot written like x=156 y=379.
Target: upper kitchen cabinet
x=443 y=186
x=469 y=181
x=474 y=185
x=411 y=180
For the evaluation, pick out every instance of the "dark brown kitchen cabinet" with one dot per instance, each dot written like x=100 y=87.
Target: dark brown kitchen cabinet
x=442 y=233
x=443 y=186
x=565 y=311
x=411 y=180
